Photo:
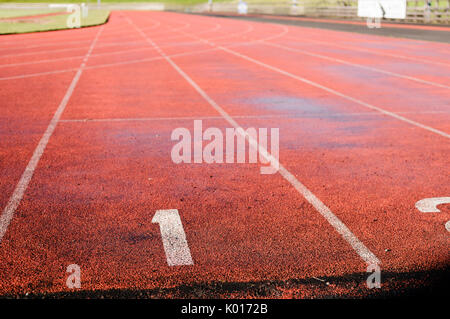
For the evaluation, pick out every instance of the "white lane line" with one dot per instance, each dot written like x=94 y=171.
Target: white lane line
x=22 y=185
x=134 y=61
x=41 y=61
x=352 y=48
x=271 y=116
x=334 y=92
x=407 y=43
x=217 y=27
x=36 y=74
x=56 y=43
x=325 y=57
x=104 y=45
x=178 y=43
x=334 y=221
x=42 y=52
x=54 y=39
x=148 y=59
x=106 y=65
x=249 y=29
x=64 y=50
x=74 y=57
x=429 y=205
x=121 y=51
x=107 y=53
x=322 y=87
x=95 y=55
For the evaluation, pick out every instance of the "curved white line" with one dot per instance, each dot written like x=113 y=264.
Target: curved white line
x=429 y=205
x=357 y=65
x=352 y=48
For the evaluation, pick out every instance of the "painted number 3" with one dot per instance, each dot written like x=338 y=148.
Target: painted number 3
x=429 y=205
x=173 y=237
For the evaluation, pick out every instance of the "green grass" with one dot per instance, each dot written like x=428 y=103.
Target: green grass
x=56 y=22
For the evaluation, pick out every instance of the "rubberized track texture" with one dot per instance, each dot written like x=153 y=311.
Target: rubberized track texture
x=86 y=123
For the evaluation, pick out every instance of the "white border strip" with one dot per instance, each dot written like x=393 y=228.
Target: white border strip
x=365 y=67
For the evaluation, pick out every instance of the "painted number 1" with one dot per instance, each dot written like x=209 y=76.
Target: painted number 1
x=173 y=237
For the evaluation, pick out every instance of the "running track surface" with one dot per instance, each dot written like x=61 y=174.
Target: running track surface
x=86 y=120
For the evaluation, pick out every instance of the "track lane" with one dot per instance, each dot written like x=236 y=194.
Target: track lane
x=379 y=90
x=102 y=217
x=440 y=150
x=44 y=273
x=431 y=75
x=372 y=51
x=25 y=115
x=426 y=50
x=339 y=80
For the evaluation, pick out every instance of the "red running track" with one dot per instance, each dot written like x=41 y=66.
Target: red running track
x=364 y=126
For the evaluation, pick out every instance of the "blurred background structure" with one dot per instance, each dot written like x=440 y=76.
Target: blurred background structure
x=417 y=11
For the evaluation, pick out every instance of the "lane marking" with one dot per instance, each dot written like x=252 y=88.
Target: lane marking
x=8 y=65
x=108 y=44
x=334 y=221
x=64 y=36
x=337 y=93
x=429 y=205
x=14 y=77
x=173 y=237
x=73 y=57
x=365 y=67
x=42 y=52
x=249 y=29
x=25 y=179
x=270 y=116
x=56 y=43
x=105 y=45
x=149 y=59
x=110 y=53
x=406 y=44
x=94 y=55
x=105 y=65
x=317 y=85
x=352 y=48
x=133 y=61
